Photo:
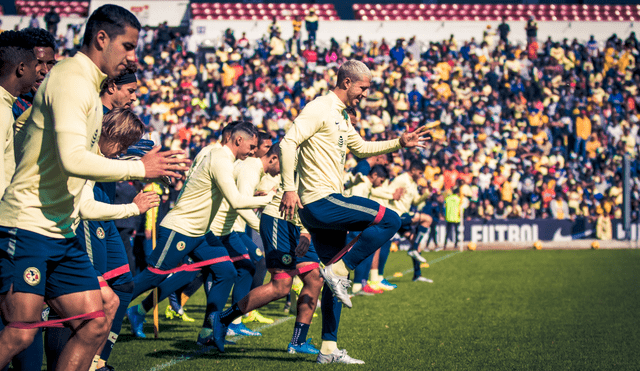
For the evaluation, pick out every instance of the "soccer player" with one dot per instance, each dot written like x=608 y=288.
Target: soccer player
x=323 y=133
x=17 y=70
x=120 y=91
x=185 y=230
x=289 y=252
x=248 y=174
x=41 y=258
x=412 y=197
x=374 y=179
x=44 y=49
x=17 y=76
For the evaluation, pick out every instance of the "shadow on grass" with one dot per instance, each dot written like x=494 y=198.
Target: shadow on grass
x=191 y=349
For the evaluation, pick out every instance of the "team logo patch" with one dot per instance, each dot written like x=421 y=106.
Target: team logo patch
x=181 y=245
x=100 y=233
x=258 y=252
x=286 y=259
x=32 y=276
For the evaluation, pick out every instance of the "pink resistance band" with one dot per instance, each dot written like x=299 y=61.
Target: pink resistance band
x=346 y=249
x=196 y=266
x=295 y=272
x=116 y=272
x=58 y=323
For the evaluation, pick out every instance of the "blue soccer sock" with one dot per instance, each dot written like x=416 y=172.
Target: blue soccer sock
x=300 y=331
x=124 y=292
x=419 y=234
x=384 y=255
x=331 y=310
x=230 y=314
x=218 y=283
x=361 y=272
x=416 y=269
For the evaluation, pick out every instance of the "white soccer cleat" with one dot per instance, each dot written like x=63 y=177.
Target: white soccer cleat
x=338 y=356
x=416 y=255
x=337 y=284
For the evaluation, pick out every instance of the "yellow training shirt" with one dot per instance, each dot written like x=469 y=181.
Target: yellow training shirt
x=323 y=132
x=59 y=152
x=6 y=138
x=247 y=175
x=209 y=181
x=410 y=197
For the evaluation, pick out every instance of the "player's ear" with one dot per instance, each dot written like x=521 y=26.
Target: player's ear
x=102 y=39
x=112 y=88
x=20 y=69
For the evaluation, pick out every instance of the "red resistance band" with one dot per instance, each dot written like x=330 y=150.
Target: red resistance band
x=116 y=272
x=58 y=323
x=295 y=272
x=104 y=284
x=196 y=266
x=346 y=249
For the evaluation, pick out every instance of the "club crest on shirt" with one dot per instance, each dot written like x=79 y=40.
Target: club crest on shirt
x=100 y=233
x=258 y=252
x=286 y=259
x=32 y=276
x=181 y=245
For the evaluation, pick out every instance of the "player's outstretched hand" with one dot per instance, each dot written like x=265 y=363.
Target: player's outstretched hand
x=303 y=245
x=158 y=164
x=415 y=138
x=146 y=200
x=288 y=204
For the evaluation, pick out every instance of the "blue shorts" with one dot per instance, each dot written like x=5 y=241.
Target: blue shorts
x=406 y=223
x=45 y=266
x=105 y=249
x=174 y=249
x=280 y=239
x=328 y=220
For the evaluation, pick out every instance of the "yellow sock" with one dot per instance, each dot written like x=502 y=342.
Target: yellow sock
x=328 y=347
x=183 y=299
x=374 y=276
x=94 y=364
x=357 y=287
x=340 y=269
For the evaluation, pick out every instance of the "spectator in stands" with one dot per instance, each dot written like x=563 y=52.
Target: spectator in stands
x=503 y=30
x=51 y=19
x=532 y=29
x=311 y=25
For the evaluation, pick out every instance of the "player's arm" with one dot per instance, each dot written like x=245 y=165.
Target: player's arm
x=248 y=181
x=303 y=128
x=222 y=172
x=90 y=209
x=385 y=192
x=362 y=148
x=71 y=102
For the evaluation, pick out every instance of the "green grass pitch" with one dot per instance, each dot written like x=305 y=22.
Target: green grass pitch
x=489 y=310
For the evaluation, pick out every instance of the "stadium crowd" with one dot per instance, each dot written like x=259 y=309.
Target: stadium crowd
x=521 y=131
